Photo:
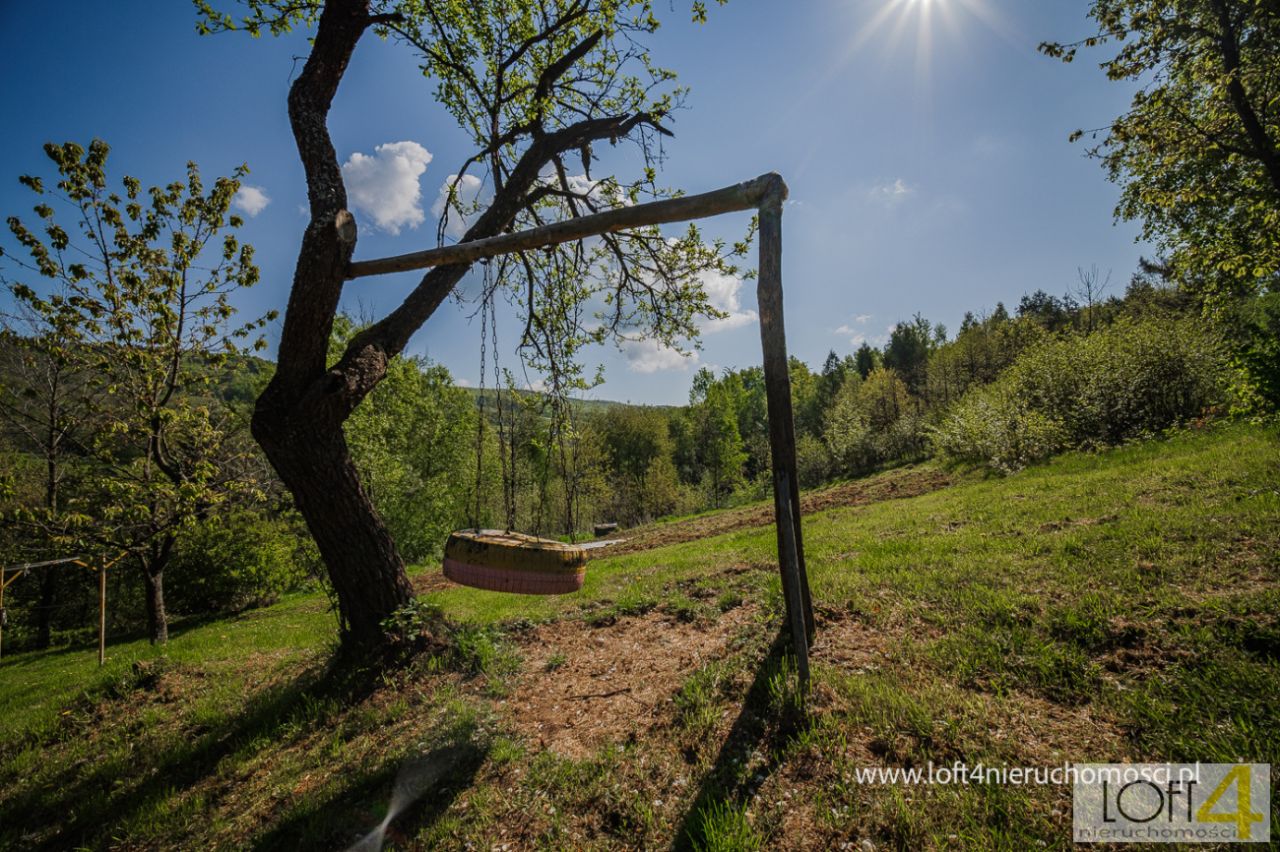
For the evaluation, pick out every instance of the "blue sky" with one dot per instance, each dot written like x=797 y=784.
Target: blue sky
x=924 y=141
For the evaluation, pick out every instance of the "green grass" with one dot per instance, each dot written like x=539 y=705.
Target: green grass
x=1113 y=606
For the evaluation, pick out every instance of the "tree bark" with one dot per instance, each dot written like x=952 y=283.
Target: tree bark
x=154 y=559
x=157 y=618
x=298 y=419
x=365 y=568
x=740 y=196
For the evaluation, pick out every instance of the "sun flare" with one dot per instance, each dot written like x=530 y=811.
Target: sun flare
x=926 y=23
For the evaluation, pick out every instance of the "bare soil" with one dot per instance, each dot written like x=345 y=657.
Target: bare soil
x=582 y=686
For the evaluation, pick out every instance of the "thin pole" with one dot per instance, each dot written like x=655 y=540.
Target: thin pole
x=777 y=380
x=102 y=612
x=2 y=585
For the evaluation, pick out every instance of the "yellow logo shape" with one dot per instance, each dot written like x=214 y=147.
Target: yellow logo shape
x=1244 y=815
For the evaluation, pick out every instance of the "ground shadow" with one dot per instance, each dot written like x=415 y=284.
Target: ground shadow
x=82 y=805
x=390 y=805
x=729 y=781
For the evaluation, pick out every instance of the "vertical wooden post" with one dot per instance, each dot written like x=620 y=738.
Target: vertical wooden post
x=102 y=611
x=777 y=380
x=1 y=612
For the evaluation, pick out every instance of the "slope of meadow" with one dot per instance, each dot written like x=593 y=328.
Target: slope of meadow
x=1105 y=607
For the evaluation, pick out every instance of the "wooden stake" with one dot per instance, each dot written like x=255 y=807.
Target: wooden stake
x=777 y=381
x=102 y=612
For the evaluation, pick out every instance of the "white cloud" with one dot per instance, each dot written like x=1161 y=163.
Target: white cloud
x=650 y=356
x=891 y=193
x=386 y=184
x=463 y=383
x=466 y=195
x=856 y=337
x=724 y=293
x=251 y=200
x=645 y=355
x=855 y=333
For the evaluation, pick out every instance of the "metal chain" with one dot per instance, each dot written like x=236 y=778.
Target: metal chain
x=480 y=421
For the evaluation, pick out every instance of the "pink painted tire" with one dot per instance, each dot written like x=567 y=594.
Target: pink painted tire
x=499 y=561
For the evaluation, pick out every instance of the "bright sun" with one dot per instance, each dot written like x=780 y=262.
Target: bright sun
x=921 y=21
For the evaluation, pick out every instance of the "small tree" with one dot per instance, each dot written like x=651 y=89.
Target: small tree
x=49 y=405
x=146 y=286
x=908 y=350
x=866 y=359
x=722 y=452
x=1089 y=291
x=638 y=441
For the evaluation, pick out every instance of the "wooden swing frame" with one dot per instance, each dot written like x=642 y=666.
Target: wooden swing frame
x=766 y=195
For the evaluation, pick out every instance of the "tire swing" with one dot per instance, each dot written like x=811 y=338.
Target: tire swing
x=503 y=560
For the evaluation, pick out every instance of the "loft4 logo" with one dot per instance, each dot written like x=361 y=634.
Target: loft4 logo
x=1243 y=815
x=1171 y=803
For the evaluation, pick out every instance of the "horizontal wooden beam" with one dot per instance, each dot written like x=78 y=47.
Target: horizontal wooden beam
x=741 y=196
x=26 y=566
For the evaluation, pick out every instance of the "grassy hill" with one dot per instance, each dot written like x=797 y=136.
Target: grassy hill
x=1103 y=607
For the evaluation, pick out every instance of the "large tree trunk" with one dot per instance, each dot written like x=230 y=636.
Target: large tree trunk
x=298 y=418
x=366 y=570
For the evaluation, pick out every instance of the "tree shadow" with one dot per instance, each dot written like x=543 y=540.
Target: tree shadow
x=417 y=792
x=83 y=806
x=730 y=782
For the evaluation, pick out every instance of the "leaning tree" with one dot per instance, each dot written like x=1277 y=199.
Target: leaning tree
x=537 y=84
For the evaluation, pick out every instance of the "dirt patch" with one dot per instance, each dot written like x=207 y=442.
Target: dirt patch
x=430 y=581
x=911 y=483
x=583 y=687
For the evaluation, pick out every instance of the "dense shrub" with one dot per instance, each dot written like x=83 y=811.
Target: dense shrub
x=244 y=560
x=1130 y=379
x=993 y=426
x=813 y=462
x=1256 y=327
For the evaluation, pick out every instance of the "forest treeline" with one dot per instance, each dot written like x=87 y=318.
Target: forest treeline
x=1009 y=388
